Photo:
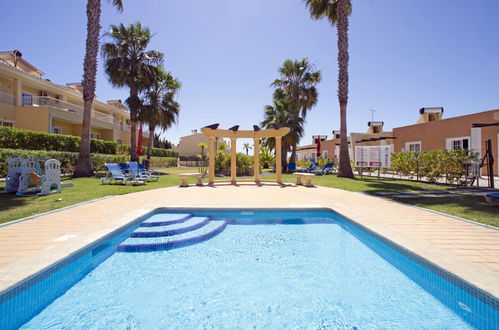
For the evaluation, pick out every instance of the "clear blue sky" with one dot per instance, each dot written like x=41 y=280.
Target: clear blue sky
x=403 y=55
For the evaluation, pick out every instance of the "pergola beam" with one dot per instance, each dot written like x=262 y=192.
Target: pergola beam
x=264 y=133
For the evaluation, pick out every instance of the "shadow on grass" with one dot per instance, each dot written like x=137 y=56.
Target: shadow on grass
x=467 y=207
x=10 y=200
x=385 y=185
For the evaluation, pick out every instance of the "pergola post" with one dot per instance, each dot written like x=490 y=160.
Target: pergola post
x=278 y=163
x=211 y=160
x=256 y=159
x=233 y=157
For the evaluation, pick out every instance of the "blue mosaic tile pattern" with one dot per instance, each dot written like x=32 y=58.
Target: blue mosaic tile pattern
x=477 y=308
x=190 y=224
x=146 y=244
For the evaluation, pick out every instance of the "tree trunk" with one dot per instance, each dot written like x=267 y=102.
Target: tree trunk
x=292 y=159
x=344 y=167
x=150 y=144
x=133 y=125
x=84 y=165
x=284 y=157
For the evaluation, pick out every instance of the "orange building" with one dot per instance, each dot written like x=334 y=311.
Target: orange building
x=430 y=132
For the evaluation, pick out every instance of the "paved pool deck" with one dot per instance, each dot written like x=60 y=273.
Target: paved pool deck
x=466 y=249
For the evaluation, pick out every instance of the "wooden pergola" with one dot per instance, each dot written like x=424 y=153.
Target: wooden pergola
x=233 y=133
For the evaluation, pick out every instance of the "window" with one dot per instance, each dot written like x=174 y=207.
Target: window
x=457 y=143
x=57 y=130
x=6 y=123
x=119 y=141
x=413 y=146
x=325 y=155
x=27 y=99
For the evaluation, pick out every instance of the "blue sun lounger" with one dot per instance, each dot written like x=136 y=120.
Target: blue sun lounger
x=143 y=174
x=114 y=174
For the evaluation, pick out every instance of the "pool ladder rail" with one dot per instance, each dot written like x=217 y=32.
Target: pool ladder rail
x=170 y=231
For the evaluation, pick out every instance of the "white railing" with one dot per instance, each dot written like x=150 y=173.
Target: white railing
x=37 y=101
x=7 y=98
x=102 y=116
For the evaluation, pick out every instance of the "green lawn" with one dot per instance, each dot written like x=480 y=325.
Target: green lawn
x=85 y=189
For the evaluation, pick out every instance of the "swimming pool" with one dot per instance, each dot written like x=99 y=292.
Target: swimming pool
x=248 y=269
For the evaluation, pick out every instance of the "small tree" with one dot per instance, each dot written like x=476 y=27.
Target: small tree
x=246 y=147
x=266 y=156
x=202 y=166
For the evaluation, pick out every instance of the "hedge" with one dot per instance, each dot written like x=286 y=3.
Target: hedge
x=156 y=152
x=16 y=138
x=68 y=159
x=433 y=165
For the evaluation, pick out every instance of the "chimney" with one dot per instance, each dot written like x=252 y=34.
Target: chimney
x=430 y=114
x=375 y=127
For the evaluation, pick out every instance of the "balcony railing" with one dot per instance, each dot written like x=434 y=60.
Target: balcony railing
x=7 y=98
x=37 y=101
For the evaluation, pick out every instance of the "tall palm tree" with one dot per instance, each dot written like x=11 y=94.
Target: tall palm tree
x=247 y=147
x=298 y=83
x=284 y=113
x=159 y=109
x=84 y=165
x=337 y=12
x=129 y=63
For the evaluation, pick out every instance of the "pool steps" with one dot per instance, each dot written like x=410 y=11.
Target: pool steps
x=175 y=232
x=190 y=224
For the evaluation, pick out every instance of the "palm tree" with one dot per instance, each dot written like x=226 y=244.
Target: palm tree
x=337 y=12
x=247 y=147
x=286 y=114
x=266 y=156
x=84 y=165
x=129 y=63
x=298 y=83
x=159 y=108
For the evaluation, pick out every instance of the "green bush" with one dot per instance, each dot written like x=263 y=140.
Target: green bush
x=433 y=165
x=156 y=152
x=68 y=159
x=15 y=138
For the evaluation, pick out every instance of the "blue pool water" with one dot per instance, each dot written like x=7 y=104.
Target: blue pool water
x=266 y=271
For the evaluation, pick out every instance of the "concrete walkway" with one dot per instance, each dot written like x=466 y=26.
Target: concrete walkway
x=465 y=249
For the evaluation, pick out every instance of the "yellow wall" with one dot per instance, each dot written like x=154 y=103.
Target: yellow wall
x=35 y=119
x=31 y=90
x=67 y=128
x=8 y=112
x=7 y=86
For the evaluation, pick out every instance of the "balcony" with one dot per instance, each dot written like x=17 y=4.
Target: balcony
x=74 y=111
x=7 y=98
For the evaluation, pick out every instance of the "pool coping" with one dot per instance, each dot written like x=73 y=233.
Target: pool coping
x=27 y=269
x=95 y=239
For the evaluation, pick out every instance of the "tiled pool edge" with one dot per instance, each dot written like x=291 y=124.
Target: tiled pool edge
x=26 y=283
x=39 y=276
x=481 y=294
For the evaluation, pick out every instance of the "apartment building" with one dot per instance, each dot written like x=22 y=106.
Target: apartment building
x=188 y=145
x=430 y=132
x=30 y=101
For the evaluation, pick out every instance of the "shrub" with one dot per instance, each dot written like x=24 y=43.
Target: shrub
x=433 y=165
x=124 y=149
x=68 y=159
x=16 y=138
